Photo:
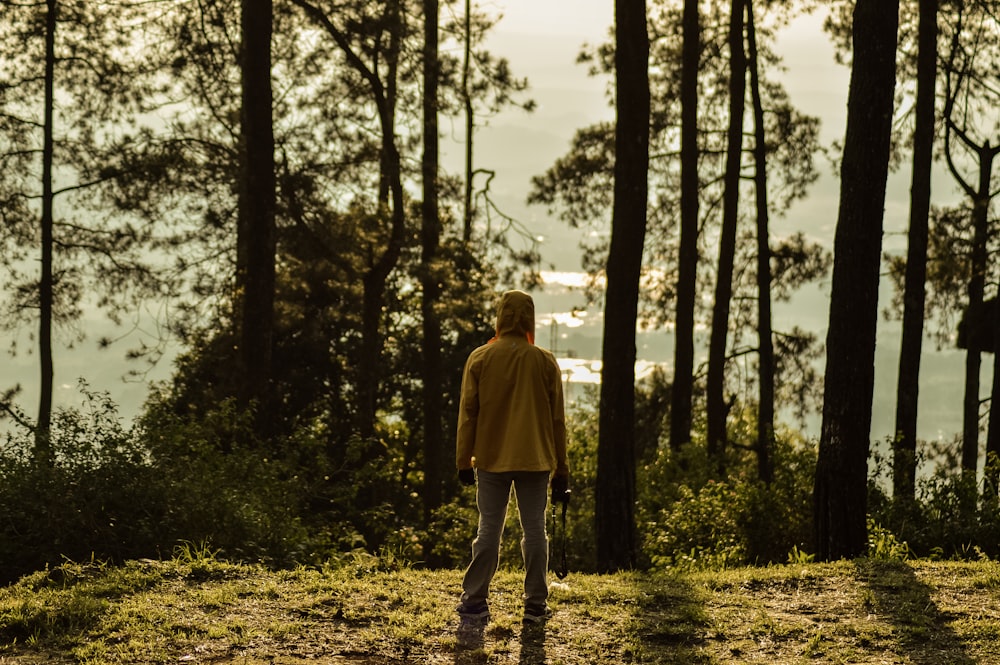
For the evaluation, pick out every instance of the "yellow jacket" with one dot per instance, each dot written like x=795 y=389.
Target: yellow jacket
x=511 y=415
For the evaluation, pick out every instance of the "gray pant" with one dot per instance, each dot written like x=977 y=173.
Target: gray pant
x=492 y=496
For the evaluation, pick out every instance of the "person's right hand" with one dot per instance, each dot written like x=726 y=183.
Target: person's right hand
x=467 y=477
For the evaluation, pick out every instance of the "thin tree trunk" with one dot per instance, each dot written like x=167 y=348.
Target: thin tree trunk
x=980 y=196
x=470 y=121
x=908 y=385
x=615 y=483
x=991 y=472
x=43 y=450
x=841 y=470
x=765 y=353
x=256 y=208
x=430 y=240
x=683 y=387
x=716 y=384
x=376 y=278
x=974 y=314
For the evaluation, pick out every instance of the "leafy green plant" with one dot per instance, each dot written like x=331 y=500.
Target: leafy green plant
x=451 y=531
x=797 y=556
x=701 y=530
x=883 y=544
x=950 y=516
x=692 y=520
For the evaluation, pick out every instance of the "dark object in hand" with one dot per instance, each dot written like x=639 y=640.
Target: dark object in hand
x=560 y=489
x=467 y=476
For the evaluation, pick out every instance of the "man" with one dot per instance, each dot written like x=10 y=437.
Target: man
x=512 y=431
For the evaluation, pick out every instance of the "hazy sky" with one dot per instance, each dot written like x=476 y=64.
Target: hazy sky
x=541 y=38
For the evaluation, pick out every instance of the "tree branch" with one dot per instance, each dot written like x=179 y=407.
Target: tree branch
x=23 y=121
x=353 y=58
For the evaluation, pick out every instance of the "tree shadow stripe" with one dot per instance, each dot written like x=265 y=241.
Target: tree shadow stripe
x=923 y=629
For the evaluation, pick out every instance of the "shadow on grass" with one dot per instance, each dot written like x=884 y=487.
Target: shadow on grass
x=471 y=641
x=532 y=644
x=671 y=621
x=924 y=634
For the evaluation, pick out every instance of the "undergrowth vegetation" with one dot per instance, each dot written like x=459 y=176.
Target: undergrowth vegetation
x=116 y=493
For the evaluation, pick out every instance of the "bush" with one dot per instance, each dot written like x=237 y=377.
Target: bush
x=451 y=531
x=92 y=500
x=112 y=494
x=951 y=516
x=691 y=520
x=684 y=517
x=702 y=529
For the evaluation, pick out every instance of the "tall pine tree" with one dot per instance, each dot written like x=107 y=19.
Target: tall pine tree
x=615 y=490
x=840 y=504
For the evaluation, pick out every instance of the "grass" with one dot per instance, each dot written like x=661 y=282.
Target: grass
x=196 y=609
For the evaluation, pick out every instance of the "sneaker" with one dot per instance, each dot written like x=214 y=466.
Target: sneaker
x=536 y=613
x=473 y=614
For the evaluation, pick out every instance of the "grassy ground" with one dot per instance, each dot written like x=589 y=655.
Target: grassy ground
x=198 y=610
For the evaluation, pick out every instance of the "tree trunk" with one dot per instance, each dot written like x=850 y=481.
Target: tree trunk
x=841 y=471
x=43 y=449
x=376 y=278
x=716 y=384
x=991 y=471
x=765 y=353
x=908 y=385
x=430 y=239
x=980 y=196
x=975 y=290
x=470 y=120
x=256 y=209
x=683 y=388
x=615 y=484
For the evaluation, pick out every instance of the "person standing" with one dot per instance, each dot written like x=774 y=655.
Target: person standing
x=511 y=433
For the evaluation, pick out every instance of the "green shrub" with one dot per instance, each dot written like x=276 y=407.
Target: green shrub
x=94 y=498
x=451 y=532
x=690 y=520
x=112 y=493
x=951 y=515
x=684 y=516
x=701 y=529
x=883 y=544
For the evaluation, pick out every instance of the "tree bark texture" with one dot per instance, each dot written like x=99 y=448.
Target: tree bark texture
x=430 y=239
x=46 y=286
x=991 y=470
x=256 y=206
x=765 y=344
x=683 y=387
x=915 y=290
x=718 y=342
x=976 y=293
x=841 y=472
x=470 y=124
x=376 y=278
x=615 y=484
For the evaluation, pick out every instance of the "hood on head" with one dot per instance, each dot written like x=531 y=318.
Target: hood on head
x=516 y=314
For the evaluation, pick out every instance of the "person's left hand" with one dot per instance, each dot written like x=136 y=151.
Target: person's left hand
x=560 y=488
